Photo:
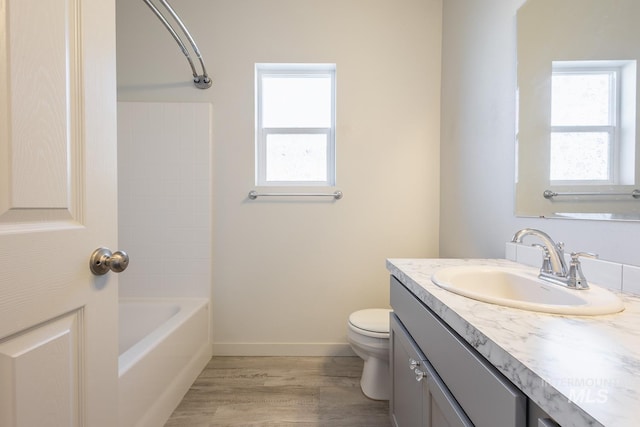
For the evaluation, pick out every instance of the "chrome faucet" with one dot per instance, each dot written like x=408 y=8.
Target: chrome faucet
x=555 y=251
x=554 y=268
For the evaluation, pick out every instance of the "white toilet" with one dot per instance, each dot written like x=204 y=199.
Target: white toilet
x=368 y=334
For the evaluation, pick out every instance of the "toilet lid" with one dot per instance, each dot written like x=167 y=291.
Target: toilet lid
x=371 y=319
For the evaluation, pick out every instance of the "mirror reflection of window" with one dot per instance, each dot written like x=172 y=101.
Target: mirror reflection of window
x=589 y=142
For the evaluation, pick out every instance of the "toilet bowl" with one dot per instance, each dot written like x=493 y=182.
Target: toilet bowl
x=368 y=334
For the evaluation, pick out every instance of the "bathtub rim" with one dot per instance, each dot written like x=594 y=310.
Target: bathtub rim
x=188 y=306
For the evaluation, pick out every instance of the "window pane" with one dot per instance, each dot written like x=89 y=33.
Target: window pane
x=296 y=101
x=580 y=99
x=579 y=156
x=296 y=157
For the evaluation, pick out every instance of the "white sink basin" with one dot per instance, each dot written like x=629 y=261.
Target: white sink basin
x=521 y=288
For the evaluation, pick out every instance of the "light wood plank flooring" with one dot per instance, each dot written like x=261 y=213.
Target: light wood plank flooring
x=280 y=391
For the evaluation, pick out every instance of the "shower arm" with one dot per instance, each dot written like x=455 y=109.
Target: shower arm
x=200 y=81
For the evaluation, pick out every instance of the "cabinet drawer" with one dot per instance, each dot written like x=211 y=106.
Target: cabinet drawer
x=487 y=397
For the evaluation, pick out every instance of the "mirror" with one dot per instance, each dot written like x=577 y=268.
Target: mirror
x=583 y=161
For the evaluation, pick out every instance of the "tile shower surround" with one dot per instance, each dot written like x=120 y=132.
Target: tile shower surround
x=164 y=197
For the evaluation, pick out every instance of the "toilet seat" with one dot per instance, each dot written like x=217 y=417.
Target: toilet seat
x=372 y=322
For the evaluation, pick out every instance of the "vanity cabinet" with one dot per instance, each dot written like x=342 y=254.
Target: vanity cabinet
x=420 y=398
x=455 y=385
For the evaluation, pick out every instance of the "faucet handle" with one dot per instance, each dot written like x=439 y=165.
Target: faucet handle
x=546 y=258
x=576 y=255
x=576 y=277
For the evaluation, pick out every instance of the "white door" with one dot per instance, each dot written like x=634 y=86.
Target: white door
x=58 y=322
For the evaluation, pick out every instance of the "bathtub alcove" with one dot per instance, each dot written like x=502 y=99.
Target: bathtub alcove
x=163 y=347
x=165 y=225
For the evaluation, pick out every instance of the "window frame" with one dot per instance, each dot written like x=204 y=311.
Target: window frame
x=612 y=128
x=261 y=133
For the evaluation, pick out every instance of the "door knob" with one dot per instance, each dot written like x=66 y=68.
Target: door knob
x=102 y=260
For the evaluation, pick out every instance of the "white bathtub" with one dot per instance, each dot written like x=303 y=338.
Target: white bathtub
x=164 y=345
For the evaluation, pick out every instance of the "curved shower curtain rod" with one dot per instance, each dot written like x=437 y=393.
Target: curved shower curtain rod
x=200 y=81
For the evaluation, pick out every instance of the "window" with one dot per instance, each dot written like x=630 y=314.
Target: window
x=589 y=135
x=295 y=124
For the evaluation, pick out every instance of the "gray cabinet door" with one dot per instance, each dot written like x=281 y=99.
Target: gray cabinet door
x=441 y=408
x=418 y=395
x=407 y=394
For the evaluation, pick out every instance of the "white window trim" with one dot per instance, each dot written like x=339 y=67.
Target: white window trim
x=294 y=70
x=614 y=69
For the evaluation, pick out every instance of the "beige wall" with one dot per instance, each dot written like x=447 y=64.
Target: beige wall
x=286 y=274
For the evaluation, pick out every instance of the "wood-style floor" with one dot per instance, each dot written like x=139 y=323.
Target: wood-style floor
x=280 y=391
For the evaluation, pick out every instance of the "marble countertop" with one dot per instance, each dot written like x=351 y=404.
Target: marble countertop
x=581 y=370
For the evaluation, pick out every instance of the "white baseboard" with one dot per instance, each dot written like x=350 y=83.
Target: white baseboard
x=282 y=349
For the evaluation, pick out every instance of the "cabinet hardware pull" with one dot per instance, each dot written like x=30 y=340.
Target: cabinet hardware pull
x=413 y=364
